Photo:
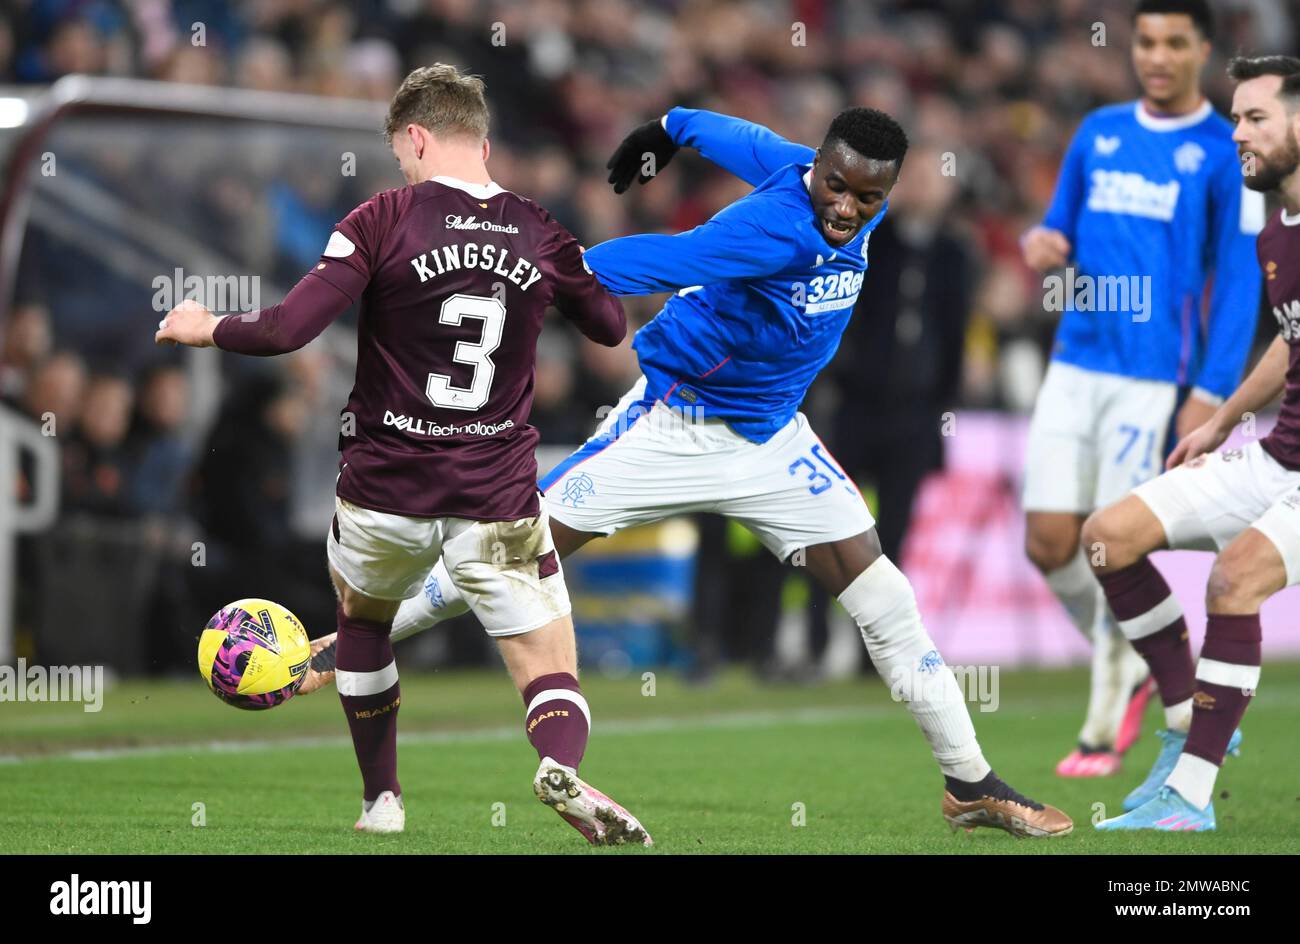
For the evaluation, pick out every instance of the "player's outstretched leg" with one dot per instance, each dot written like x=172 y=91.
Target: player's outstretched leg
x=557 y=720
x=439 y=600
x=371 y=696
x=881 y=601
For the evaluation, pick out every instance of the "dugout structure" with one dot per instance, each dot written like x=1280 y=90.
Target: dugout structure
x=115 y=191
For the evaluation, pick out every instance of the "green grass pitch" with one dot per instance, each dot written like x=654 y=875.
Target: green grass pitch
x=730 y=768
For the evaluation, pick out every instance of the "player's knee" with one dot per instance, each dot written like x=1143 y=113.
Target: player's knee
x=1106 y=543
x=882 y=602
x=351 y=606
x=1050 y=548
x=370 y=609
x=1235 y=584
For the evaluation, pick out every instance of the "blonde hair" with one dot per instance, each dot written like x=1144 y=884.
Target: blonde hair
x=441 y=100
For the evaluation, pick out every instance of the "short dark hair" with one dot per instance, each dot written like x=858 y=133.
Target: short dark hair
x=871 y=133
x=1244 y=68
x=1198 y=10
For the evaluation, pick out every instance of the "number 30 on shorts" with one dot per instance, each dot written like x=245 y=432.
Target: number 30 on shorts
x=818 y=480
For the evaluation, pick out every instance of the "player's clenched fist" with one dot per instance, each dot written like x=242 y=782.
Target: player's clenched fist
x=1045 y=248
x=188 y=323
x=643 y=153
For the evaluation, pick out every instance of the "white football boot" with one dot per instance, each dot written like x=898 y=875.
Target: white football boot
x=585 y=808
x=385 y=815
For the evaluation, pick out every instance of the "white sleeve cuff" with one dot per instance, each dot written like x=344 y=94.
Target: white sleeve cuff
x=1213 y=399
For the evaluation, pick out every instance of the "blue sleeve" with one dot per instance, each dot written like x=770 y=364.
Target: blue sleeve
x=745 y=240
x=1063 y=214
x=1236 y=217
x=751 y=152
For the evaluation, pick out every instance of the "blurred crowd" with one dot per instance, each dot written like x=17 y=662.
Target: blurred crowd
x=989 y=92
x=121 y=453
x=993 y=88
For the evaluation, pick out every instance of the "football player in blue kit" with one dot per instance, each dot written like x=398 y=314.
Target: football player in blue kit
x=1156 y=232
x=763 y=292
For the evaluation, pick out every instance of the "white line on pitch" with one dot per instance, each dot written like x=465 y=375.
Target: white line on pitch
x=738 y=719
x=719 y=720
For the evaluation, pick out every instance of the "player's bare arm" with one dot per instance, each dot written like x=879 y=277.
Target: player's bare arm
x=1260 y=388
x=1195 y=412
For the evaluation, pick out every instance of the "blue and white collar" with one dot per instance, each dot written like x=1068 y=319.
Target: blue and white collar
x=1171 y=122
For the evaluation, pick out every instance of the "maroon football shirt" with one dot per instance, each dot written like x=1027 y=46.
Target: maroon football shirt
x=454 y=279
x=1278 y=245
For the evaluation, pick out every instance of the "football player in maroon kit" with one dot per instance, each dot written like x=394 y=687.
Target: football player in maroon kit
x=454 y=275
x=1244 y=503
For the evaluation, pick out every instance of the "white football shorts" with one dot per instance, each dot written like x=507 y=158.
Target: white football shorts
x=508 y=571
x=1205 y=503
x=1093 y=438
x=648 y=461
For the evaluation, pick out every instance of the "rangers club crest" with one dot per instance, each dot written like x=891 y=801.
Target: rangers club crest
x=577 y=488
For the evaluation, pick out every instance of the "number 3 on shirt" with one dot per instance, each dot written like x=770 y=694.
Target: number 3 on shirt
x=440 y=390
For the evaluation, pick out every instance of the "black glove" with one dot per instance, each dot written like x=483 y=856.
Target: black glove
x=650 y=139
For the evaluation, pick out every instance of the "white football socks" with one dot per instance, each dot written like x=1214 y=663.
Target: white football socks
x=1193 y=777
x=882 y=603
x=1079 y=592
x=1116 y=666
x=1117 y=669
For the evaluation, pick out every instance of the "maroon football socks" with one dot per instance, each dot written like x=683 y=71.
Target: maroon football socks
x=557 y=720
x=371 y=695
x=1137 y=595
